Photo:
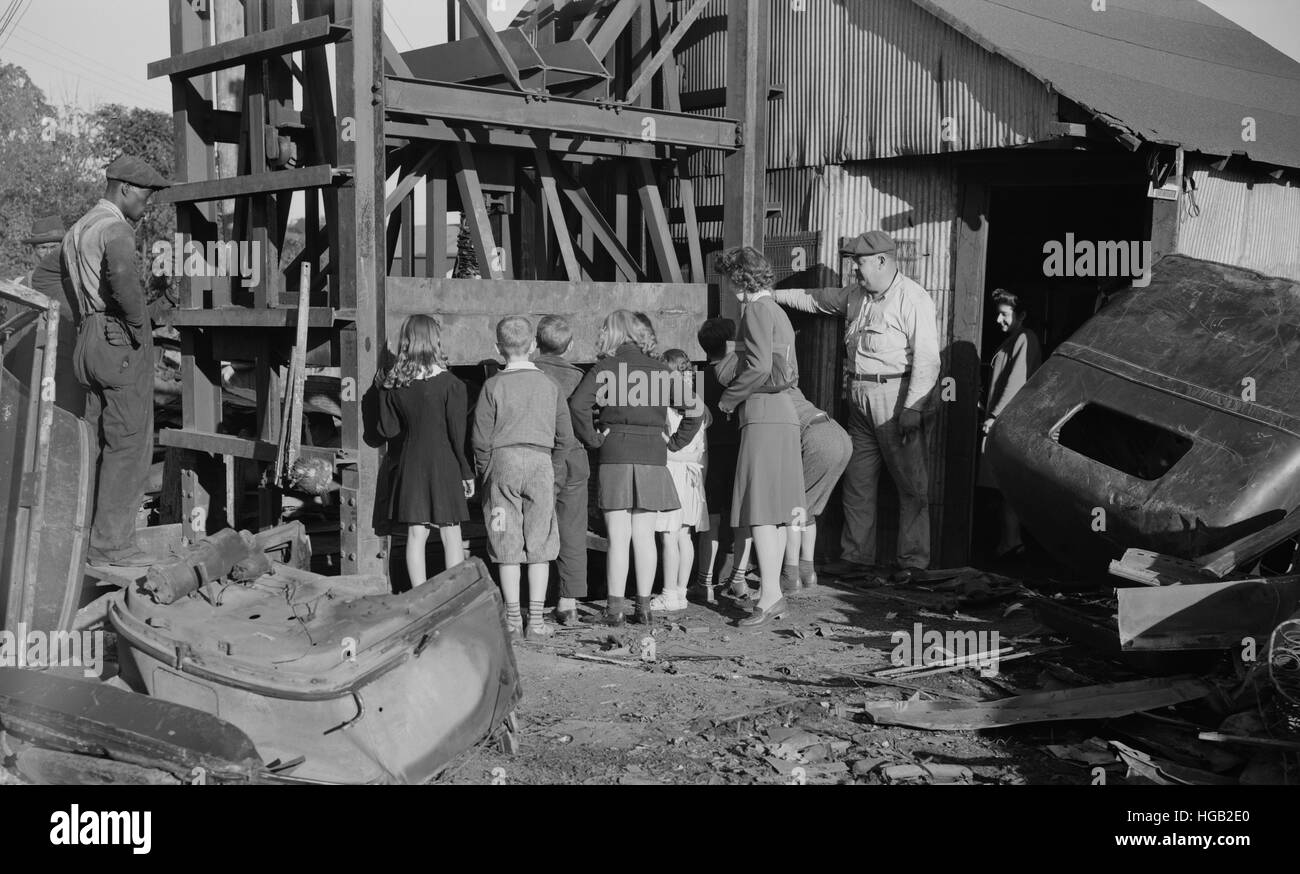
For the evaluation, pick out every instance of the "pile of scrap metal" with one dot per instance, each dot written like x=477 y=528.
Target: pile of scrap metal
x=1160 y=443
x=234 y=667
x=1169 y=422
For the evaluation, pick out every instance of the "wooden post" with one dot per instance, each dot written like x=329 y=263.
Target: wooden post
x=228 y=22
x=951 y=532
x=200 y=374
x=359 y=253
x=744 y=195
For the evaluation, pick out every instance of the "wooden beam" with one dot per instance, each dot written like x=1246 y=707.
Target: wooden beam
x=248 y=186
x=665 y=51
x=556 y=209
x=614 y=25
x=745 y=171
x=685 y=185
x=359 y=65
x=408 y=182
x=1205 y=615
x=656 y=222
x=474 y=204
x=588 y=24
x=435 y=220
x=598 y=226
x=249 y=49
x=473 y=104
x=567 y=147
x=1223 y=561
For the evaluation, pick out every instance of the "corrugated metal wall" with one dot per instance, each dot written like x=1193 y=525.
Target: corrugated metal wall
x=1242 y=218
x=868 y=79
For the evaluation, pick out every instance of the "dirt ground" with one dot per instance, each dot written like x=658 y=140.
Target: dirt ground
x=781 y=704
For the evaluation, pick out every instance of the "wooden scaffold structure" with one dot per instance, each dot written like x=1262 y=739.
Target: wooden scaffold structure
x=558 y=140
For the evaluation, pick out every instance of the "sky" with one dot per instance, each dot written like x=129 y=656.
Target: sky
x=86 y=52
x=63 y=46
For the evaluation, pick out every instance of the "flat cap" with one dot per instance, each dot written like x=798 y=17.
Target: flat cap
x=46 y=230
x=134 y=171
x=870 y=243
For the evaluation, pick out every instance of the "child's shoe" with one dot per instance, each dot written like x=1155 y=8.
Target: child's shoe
x=516 y=631
x=539 y=631
x=643 y=615
x=669 y=601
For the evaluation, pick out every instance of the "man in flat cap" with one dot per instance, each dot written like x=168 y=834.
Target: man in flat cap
x=46 y=240
x=893 y=351
x=114 y=357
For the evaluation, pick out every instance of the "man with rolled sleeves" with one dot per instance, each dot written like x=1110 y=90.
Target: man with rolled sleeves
x=114 y=357
x=893 y=351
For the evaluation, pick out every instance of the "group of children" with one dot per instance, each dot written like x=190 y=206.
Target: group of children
x=666 y=463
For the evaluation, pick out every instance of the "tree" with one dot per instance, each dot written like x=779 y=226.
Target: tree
x=146 y=133
x=46 y=165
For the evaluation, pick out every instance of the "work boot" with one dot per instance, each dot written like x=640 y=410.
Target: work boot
x=844 y=569
x=905 y=576
x=130 y=556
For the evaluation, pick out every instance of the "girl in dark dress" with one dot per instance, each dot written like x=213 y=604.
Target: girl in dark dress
x=424 y=405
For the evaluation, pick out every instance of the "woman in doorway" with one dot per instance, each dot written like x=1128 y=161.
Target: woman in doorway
x=1013 y=363
x=768 y=493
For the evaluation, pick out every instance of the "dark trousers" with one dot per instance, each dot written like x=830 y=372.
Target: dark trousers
x=122 y=417
x=571 y=485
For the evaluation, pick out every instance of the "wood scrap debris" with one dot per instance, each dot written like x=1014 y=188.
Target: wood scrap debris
x=1092 y=702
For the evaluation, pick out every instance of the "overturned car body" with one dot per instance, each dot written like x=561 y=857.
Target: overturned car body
x=1169 y=422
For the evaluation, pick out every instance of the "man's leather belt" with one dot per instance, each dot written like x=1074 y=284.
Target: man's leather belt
x=880 y=377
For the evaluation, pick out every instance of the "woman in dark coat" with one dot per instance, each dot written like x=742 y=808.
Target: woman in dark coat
x=618 y=408
x=769 y=490
x=1014 y=362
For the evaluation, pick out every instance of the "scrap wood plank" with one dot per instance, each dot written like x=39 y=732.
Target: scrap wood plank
x=1092 y=702
x=78 y=716
x=1205 y=615
x=1221 y=562
x=55 y=768
x=1154 y=569
x=1164 y=772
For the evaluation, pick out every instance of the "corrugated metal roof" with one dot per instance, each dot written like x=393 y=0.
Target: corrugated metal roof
x=1172 y=71
x=1236 y=217
x=870 y=80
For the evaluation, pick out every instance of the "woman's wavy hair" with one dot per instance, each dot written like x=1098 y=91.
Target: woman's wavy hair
x=419 y=351
x=747 y=269
x=623 y=326
x=1002 y=297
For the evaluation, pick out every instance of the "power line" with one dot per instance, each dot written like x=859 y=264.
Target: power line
x=13 y=14
x=100 y=71
x=393 y=15
x=107 y=84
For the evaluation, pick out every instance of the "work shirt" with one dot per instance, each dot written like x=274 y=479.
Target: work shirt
x=101 y=271
x=886 y=334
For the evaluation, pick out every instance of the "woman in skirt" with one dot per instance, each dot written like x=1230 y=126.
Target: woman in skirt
x=769 y=493
x=617 y=409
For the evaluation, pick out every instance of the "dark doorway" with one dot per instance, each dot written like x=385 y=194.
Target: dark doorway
x=1022 y=219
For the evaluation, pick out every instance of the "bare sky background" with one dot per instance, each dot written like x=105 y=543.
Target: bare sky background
x=86 y=52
